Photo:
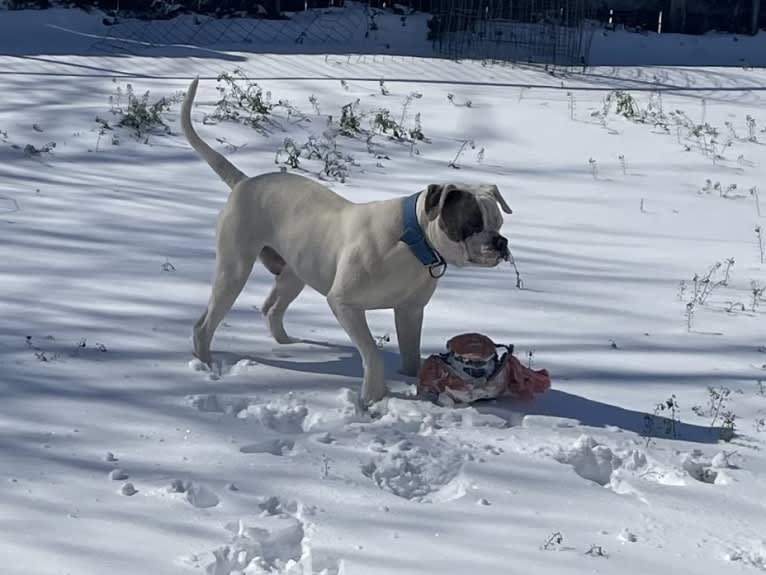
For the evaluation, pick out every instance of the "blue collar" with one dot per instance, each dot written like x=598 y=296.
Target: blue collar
x=413 y=236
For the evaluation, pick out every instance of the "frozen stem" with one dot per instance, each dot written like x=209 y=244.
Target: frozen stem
x=571 y=105
x=519 y=281
x=689 y=315
x=453 y=162
x=555 y=539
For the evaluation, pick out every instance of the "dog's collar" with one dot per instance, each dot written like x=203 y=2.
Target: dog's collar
x=413 y=236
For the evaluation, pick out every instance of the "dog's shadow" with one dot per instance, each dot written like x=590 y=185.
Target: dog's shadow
x=321 y=358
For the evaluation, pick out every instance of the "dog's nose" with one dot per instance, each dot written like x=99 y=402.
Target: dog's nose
x=500 y=244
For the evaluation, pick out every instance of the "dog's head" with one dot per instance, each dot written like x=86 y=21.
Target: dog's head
x=463 y=223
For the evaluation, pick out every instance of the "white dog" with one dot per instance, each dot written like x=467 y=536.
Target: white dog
x=378 y=255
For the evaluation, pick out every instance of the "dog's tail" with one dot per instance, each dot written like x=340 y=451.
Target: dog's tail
x=223 y=167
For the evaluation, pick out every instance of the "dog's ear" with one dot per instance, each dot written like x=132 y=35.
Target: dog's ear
x=447 y=191
x=433 y=200
x=500 y=200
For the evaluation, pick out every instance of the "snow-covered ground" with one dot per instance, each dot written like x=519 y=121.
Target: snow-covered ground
x=118 y=455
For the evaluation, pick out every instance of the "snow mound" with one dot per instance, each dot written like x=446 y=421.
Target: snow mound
x=344 y=411
x=272 y=544
x=590 y=460
x=276 y=542
x=755 y=556
x=243 y=367
x=198 y=496
x=279 y=416
x=713 y=470
x=278 y=506
x=118 y=474
x=201 y=497
x=128 y=489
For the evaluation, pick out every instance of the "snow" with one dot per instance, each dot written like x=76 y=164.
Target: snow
x=123 y=455
x=624 y=48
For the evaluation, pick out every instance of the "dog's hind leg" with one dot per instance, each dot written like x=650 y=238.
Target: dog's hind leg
x=287 y=287
x=232 y=269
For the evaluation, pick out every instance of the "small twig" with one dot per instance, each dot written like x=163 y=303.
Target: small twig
x=718 y=398
x=593 y=168
x=465 y=104
x=648 y=429
x=757 y=291
x=405 y=106
x=727 y=271
x=754 y=193
x=453 y=162
x=733 y=306
x=689 y=315
x=571 y=105
x=596 y=551
x=315 y=104
x=555 y=539
x=519 y=281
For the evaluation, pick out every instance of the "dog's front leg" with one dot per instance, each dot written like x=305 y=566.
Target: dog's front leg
x=409 y=325
x=354 y=321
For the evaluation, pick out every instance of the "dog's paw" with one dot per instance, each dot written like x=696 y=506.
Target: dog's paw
x=213 y=371
x=198 y=365
x=370 y=396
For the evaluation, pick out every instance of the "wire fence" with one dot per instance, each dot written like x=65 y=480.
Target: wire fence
x=535 y=31
x=331 y=26
x=554 y=32
x=549 y=32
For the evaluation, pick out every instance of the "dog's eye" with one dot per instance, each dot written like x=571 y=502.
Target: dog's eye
x=461 y=216
x=473 y=225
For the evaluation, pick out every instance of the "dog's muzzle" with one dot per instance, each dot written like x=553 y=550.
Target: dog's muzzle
x=500 y=245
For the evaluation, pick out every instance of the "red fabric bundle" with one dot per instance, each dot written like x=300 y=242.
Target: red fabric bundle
x=471 y=370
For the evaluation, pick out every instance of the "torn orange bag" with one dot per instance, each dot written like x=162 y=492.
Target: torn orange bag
x=472 y=370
